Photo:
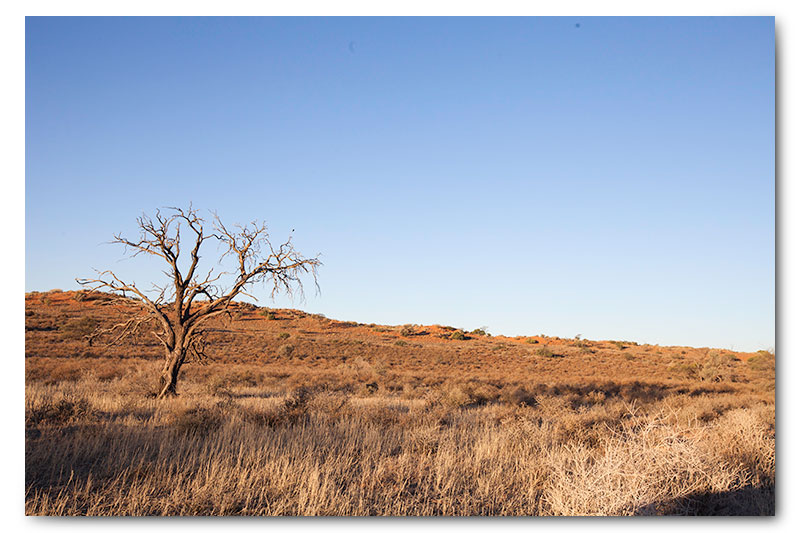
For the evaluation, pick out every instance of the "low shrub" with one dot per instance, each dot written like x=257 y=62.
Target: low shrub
x=763 y=361
x=680 y=368
x=718 y=368
x=458 y=335
x=545 y=351
x=61 y=412
x=516 y=395
x=285 y=350
x=370 y=388
x=79 y=328
x=199 y=420
x=408 y=330
x=455 y=396
x=295 y=408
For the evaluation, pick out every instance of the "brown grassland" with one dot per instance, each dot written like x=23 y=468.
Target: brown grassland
x=297 y=414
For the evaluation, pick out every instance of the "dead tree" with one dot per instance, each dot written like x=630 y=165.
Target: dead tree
x=181 y=308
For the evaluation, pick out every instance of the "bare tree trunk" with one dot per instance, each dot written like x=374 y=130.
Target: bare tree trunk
x=169 y=375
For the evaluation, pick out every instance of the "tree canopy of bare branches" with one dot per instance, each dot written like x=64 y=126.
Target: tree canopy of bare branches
x=181 y=307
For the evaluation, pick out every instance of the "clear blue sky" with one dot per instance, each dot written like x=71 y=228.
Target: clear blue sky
x=608 y=177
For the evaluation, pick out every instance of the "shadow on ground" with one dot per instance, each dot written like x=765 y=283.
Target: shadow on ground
x=749 y=501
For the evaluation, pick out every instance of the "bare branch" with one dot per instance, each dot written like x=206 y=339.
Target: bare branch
x=121 y=330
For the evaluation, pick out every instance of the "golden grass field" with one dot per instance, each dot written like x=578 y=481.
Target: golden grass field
x=298 y=414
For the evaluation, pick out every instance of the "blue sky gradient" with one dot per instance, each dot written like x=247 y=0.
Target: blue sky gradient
x=609 y=177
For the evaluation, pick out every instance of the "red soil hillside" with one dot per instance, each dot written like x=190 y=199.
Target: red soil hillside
x=292 y=347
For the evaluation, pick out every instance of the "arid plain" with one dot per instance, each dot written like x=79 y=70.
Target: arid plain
x=299 y=414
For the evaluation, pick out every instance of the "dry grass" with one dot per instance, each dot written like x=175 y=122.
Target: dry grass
x=351 y=423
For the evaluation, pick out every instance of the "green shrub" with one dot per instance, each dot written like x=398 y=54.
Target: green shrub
x=267 y=314
x=79 y=328
x=481 y=331
x=401 y=343
x=283 y=336
x=531 y=340
x=544 y=351
x=458 y=335
x=408 y=330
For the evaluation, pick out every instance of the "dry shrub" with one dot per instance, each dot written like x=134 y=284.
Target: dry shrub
x=222 y=383
x=683 y=369
x=200 y=420
x=218 y=385
x=424 y=438
x=383 y=416
x=79 y=328
x=330 y=405
x=63 y=411
x=368 y=389
x=652 y=467
x=517 y=394
x=245 y=377
x=65 y=371
x=481 y=393
x=472 y=393
x=106 y=371
x=455 y=396
x=763 y=361
x=285 y=350
x=745 y=437
x=718 y=368
x=140 y=381
x=295 y=407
